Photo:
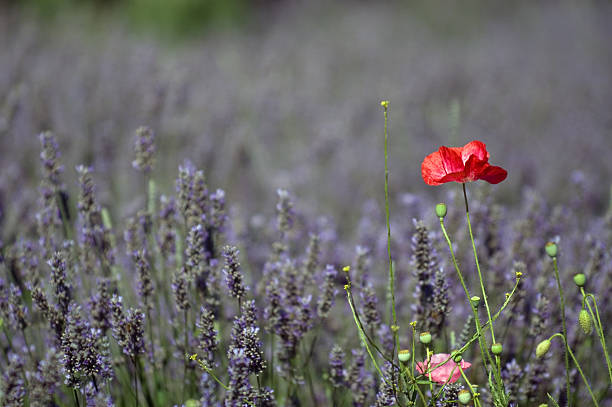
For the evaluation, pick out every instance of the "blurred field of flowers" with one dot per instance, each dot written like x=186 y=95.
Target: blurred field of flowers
x=278 y=103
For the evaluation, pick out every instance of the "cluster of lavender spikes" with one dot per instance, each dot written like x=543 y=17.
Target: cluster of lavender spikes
x=174 y=322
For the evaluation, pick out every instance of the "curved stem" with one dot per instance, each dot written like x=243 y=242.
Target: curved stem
x=561 y=298
x=577 y=366
x=599 y=327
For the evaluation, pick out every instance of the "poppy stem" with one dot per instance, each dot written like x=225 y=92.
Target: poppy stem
x=567 y=350
x=393 y=325
x=482 y=289
x=586 y=382
x=598 y=326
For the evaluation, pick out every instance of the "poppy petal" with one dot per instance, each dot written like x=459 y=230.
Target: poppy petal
x=474 y=148
x=474 y=167
x=493 y=174
x=439 y=164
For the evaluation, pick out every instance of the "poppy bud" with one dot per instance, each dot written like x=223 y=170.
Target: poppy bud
x=497 y=348
x=191 y=403
x=464 y=397
x=580 y=279
x=404 y=355
x=425 y=337
x=384 y=103
x=542 y=348
x=543 y=405
x=441 y=210
x=457 y=357
x=551 y=249
x=475 y=300
x=585 y=322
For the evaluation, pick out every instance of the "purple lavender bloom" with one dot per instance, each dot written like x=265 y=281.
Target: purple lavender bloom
x=195 y=254
x=359 y=379
x=61 y=285
x=326 y=300
x=337 y=373
x=145 y=281
x=144 y=146
x=208 y=336
x=12 y=389
x=46 y=380
x=240 y=391
x=82 y=358
x=128 y=328
x=233 y=276
x=218 y=216
x=49 y=156
x=179 y=288
x=101 y=308
x=245 y=336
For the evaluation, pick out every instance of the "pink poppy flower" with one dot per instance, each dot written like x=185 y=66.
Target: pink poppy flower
x=447 y=373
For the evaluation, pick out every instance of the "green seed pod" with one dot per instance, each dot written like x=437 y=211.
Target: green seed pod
x=580 y=279
x=464 y=397
x=551 y=249
x=497 y=348
x=542 y=348
x=457 y=357
x=441 y=210
x=475 y=300
x=543 y=405
x=585 y=321
x=191 y=403
x=404 y=355
x=425 y=337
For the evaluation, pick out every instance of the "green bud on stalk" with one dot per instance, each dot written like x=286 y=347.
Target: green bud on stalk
x=464 y=397
x=580 y=279
x=497 y=348
x=404 y=356
x=425 y=338
x=542 y=348
x=551 y=249
x=585 y=321
x=441 y=210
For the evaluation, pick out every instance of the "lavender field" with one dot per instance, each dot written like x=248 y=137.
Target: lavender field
x=205 y=219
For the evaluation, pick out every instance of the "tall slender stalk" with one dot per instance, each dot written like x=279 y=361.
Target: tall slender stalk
x=393 y=324
x=586 y=382
x=561 y=298
x=598 y=328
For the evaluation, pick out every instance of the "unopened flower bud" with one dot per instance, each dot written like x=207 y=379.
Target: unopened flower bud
x=404 y=355
x=585 y=322
x=475 y=300
x=542 y=348
x=457 y=357
x=384 y=103
x=441 y=210
x=425 y=337
x=497 y=348
x=464 y=397
x=580 y=279
x=551 y=249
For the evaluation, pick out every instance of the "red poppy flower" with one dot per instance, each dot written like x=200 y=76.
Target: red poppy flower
x=461 y=164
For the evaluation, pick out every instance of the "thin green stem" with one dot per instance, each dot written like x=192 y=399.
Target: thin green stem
x=561 y=298
x=482 y=288
x=584 y=379
x=393 y=325
x=598 y=327
x=483 y=349
x=474 y=394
